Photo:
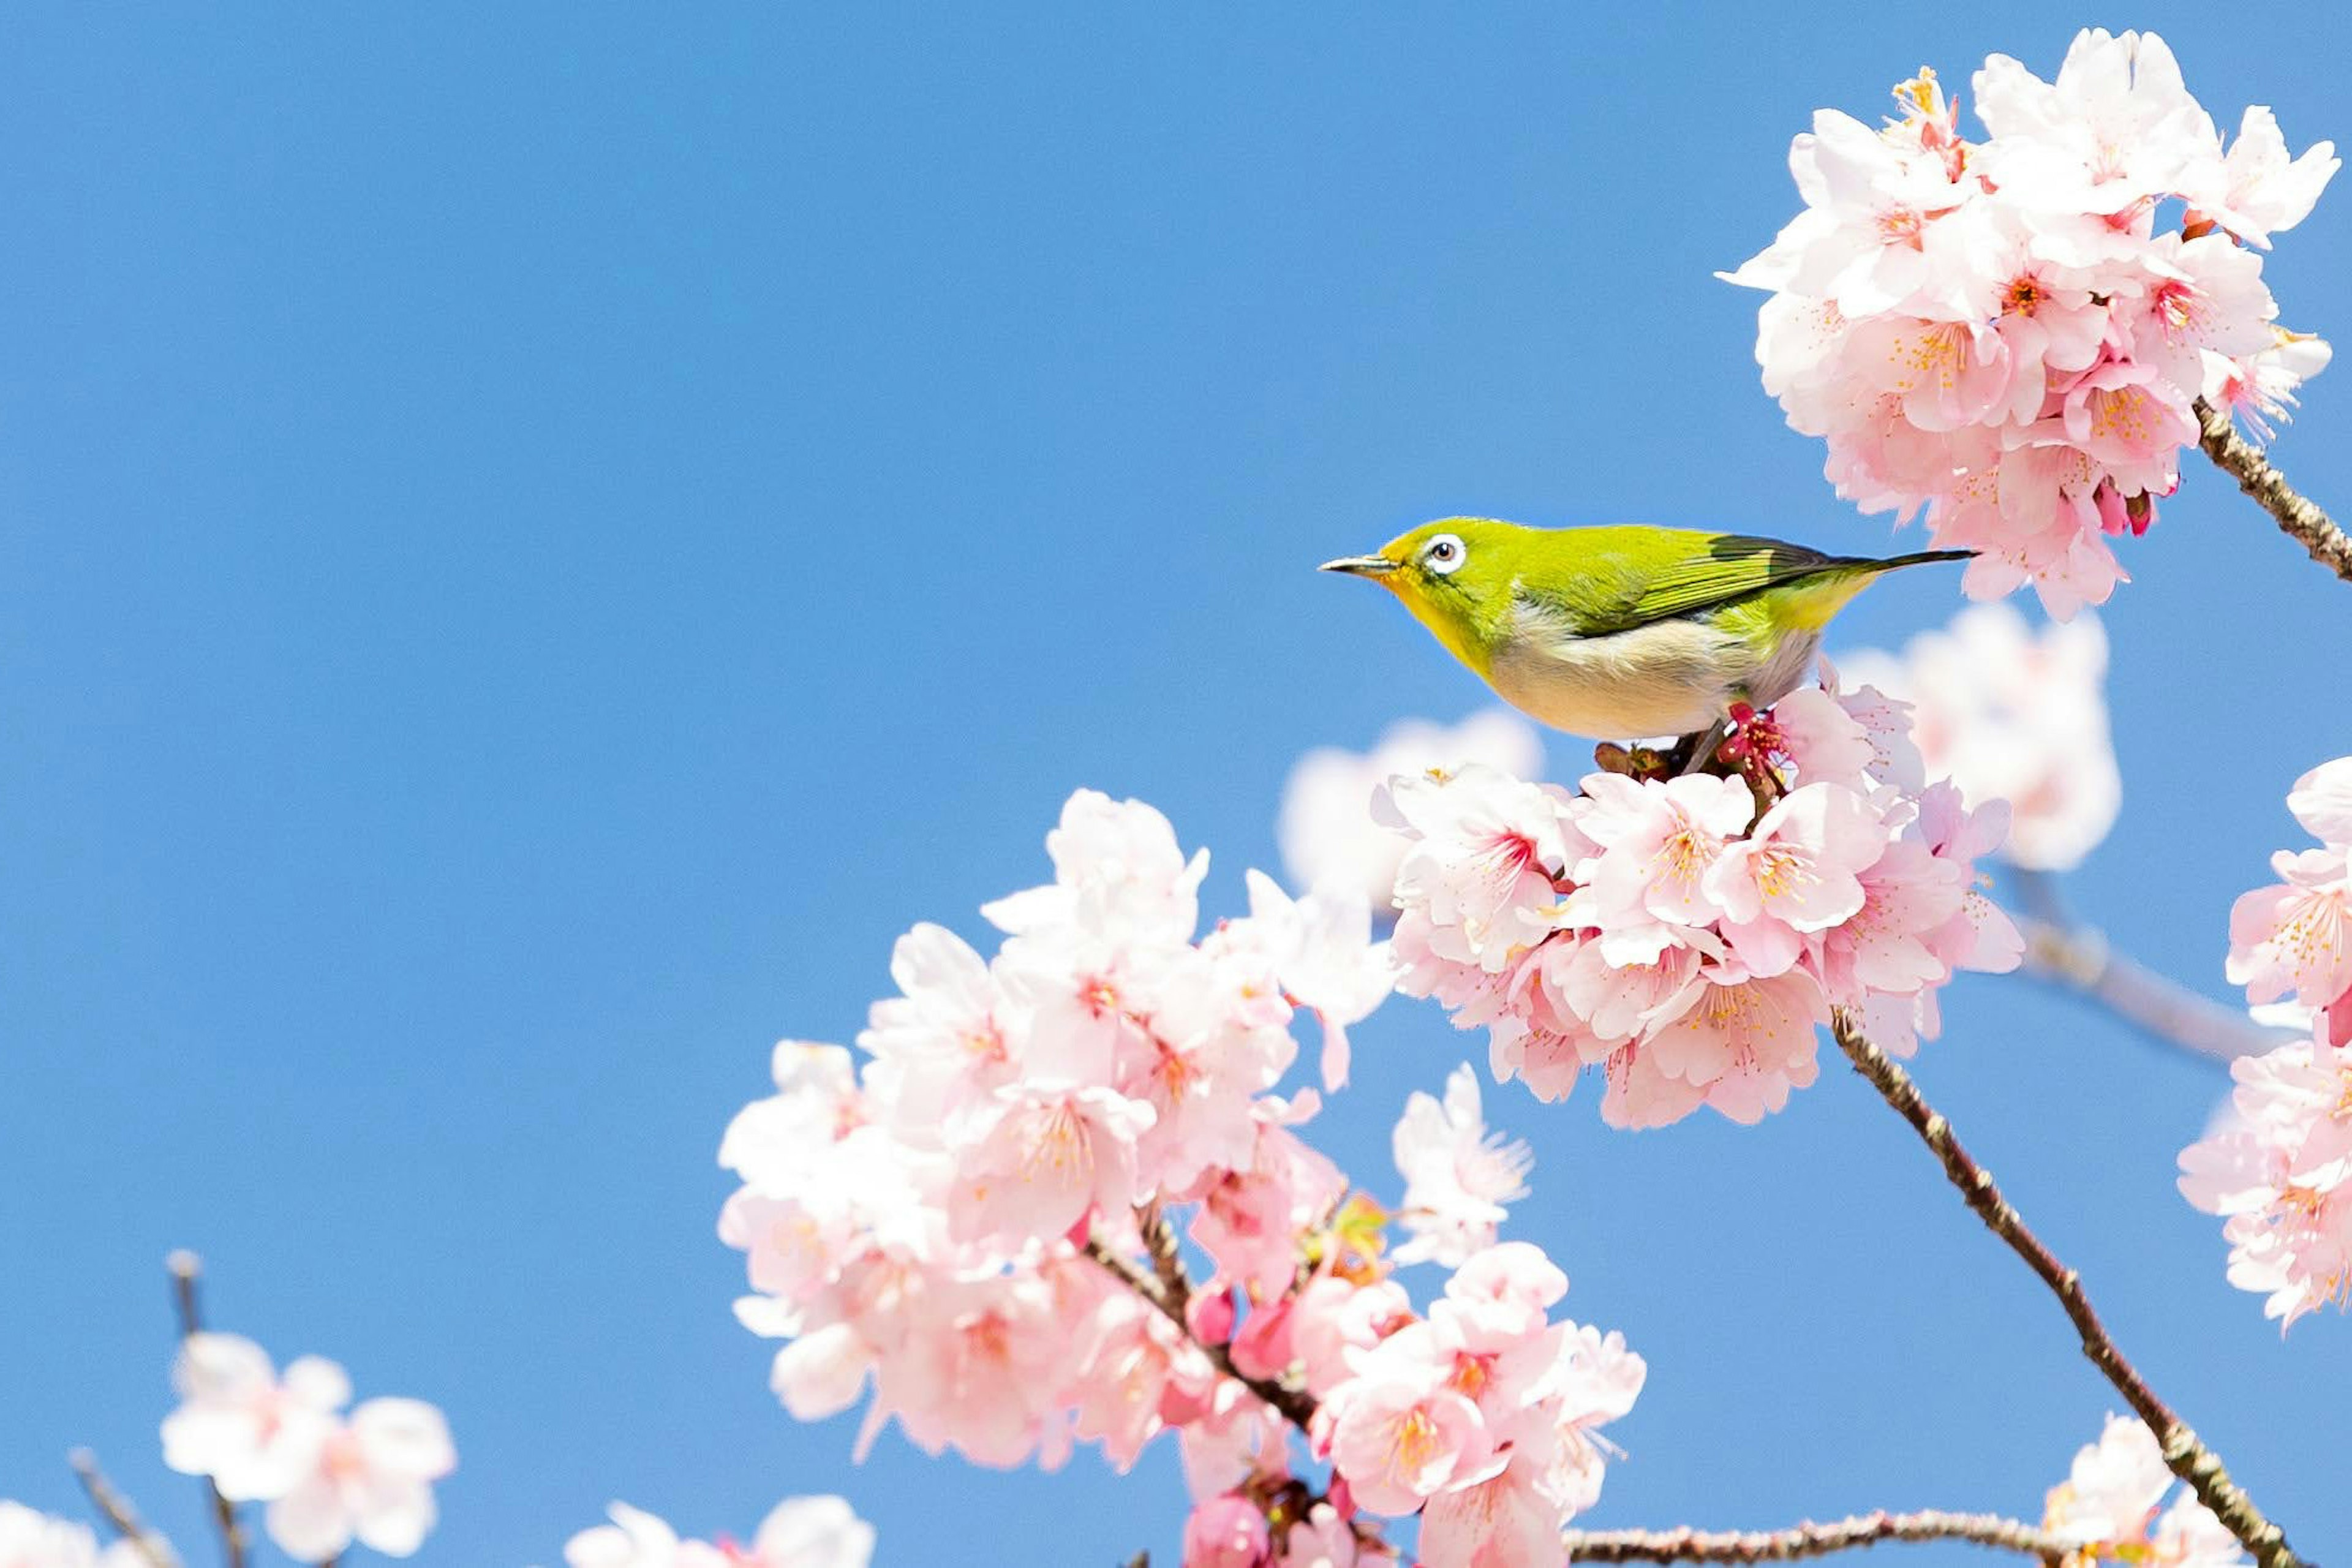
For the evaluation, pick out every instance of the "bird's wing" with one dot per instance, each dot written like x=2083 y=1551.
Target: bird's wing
x=1625 y=581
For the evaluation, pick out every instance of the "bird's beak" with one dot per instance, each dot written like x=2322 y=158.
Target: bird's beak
x=1361 y=565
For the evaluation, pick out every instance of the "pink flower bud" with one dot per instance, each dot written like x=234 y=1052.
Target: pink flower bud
x=1227 y=1531
x=1209 y=1316
x=1263 y=1347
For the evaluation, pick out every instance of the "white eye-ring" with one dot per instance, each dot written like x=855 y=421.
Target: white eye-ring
x=1444 y=554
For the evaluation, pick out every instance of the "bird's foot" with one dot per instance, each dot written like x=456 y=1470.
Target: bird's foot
x=1636 y=762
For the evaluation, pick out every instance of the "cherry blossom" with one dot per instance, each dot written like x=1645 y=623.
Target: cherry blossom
x=2007 y=712
x=1330 y=839
x=2110 y=1500
x=2278 y=1164
x=328 y=1479
x=1690 y=935
x=957 y=1224
x=799 y=1532
x=1999 y=331
x=1457 y=1175
x=30 y=1539
x=372 y=1479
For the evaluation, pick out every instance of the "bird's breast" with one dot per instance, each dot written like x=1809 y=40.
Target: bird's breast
x=1671 y=677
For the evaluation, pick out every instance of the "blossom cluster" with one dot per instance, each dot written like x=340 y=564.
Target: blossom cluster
x=1330 y=839
x=989 y=1223
x=2013 y=333
x=2109 y=1504
x=327 y=1477
x=2007 y=712
x=2279 y=1164
x=31 y=1539
x=799 y=1532
x=1690 y=935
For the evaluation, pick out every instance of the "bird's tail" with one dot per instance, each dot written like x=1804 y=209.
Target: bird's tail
x=1814 y=598
x=1919 y=558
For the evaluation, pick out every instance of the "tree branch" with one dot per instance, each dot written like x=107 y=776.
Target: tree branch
x=116 y=1510
x=2186 y=1456
x=1294 y=1405
x=2078 y=959
x=1809 y=1540
x=186 y=1267
x=2297 y=518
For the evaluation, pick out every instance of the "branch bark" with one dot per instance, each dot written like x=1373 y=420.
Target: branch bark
x=116 y=1510
x=1811 y=1540
x=184 y=1269
x=2184 y=1455
x=1294 y=1405
x=2296 y=517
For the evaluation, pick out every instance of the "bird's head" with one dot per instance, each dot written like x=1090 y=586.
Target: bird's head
x=1456 y=576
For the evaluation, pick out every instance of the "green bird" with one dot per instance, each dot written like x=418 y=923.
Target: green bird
x=1622 y=632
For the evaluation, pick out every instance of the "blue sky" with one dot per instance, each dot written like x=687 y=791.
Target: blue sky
x=534 y=540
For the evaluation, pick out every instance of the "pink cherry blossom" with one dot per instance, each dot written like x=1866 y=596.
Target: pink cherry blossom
x=1794 y=874
x=372 y=1479
x=1457 y=1175
x=2009 y=712
x=254 y=1434
x=799 y=1532
x=1998 y=333
x=1330 y=840
x=1227 y=1531
x=1485 y=855
x=29 y=1539
x=940 y=1225
x=1698 y=944
x=2109 y=1502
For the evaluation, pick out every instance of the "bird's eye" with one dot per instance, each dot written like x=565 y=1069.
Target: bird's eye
x=1444 y=554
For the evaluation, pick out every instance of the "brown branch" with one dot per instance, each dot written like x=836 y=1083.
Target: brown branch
x=2186 y=1456
x=186 y=1267
x=1294 y=1405
x=1809 y=1540
x=2079 y=959
x=2297 y=518
x=116 y=1510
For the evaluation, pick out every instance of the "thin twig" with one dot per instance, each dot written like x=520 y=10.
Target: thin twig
x=1294 y=1405
x=2183 y=1454
x=1809 y=1540
x=185 y=1267
x=117 y=1510
x=2301 y=520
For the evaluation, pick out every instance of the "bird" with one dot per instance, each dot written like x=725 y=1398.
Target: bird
x=1624 y=631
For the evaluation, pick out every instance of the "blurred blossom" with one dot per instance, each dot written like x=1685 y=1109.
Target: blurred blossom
x=327 y=1479
x=1329 y=838
x=2009 y=712
x=799 y=1532
x=29 y=1539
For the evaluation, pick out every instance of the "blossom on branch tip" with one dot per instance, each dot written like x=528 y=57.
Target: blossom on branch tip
x=30 y=1539
x=328 y=1479
x=2278 y=1166
x=1330 y=840
x=1683 y=937
x=2108 y=1504
x=1999 y=332
x=993 y=1222
x=799 y=1532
